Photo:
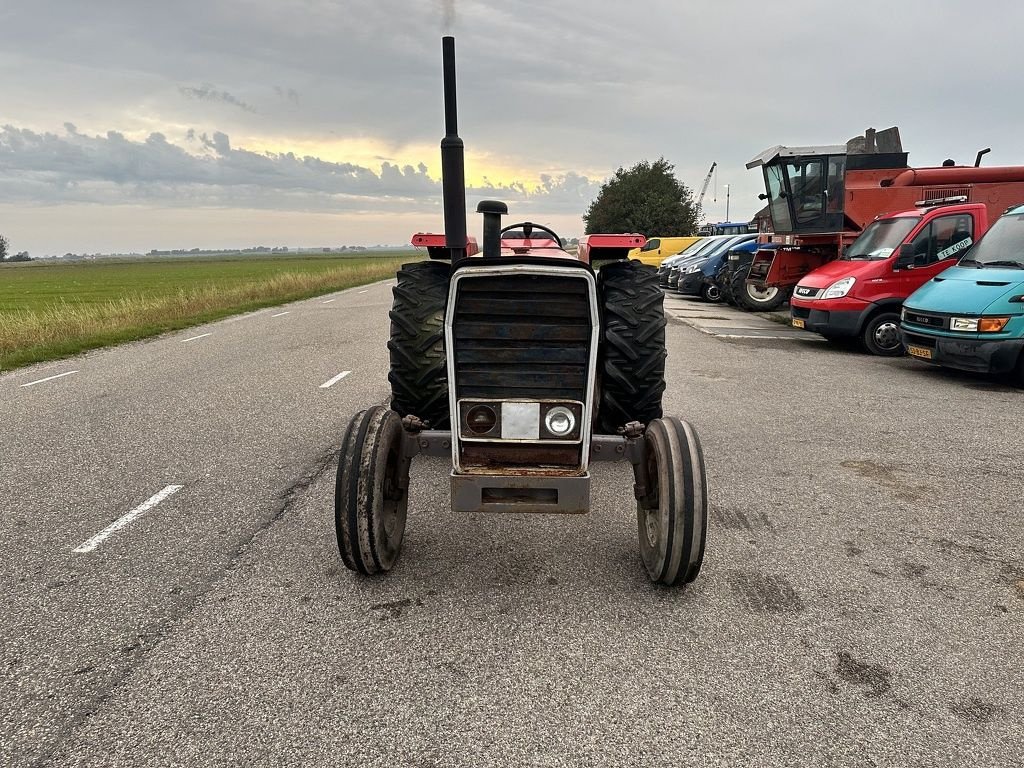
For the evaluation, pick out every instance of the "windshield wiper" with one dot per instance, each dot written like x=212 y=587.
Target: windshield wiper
x=969 y=261
x=1014 y=264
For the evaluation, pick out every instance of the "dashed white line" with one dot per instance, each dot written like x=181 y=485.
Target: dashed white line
x=200 y=336
x=364 y=291
x=282 y=313
x=49 y=378
x=327 y=302
x=335 y=380
x=121 y=522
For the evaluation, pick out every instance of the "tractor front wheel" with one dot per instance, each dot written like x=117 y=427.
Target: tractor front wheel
x=673 y=515
x=371 y=492
x=633 y=344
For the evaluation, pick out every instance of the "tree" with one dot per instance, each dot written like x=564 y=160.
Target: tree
x=3 y=248
x=647 y=199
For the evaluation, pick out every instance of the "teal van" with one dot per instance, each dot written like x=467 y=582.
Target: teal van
x=971 y=316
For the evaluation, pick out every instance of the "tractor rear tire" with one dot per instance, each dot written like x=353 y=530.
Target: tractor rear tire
x=371 y=492
x=672 y=517
x=632 y=345
x=419 y=373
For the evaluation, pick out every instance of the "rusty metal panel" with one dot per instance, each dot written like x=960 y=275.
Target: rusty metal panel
x=504 y=493
x=520 y=454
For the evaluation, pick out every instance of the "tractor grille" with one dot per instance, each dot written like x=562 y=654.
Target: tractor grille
x=521 y=336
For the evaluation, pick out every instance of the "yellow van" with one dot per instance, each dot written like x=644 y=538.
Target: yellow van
x=659 y=248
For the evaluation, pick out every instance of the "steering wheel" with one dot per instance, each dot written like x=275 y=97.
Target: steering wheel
x=528 y=227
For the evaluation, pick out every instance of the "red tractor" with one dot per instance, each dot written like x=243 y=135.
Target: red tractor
x=524 y=364
x=821 y=198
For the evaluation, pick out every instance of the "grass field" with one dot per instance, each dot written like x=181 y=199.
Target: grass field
x=52 y=310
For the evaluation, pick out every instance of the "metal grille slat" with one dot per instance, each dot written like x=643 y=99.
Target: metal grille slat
x=522 y=336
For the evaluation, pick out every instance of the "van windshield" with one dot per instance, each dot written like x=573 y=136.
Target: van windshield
x=1002 y=246
x=880 y=239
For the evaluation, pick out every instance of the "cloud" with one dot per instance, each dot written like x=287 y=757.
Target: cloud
x=207 y=92
x=208 y=171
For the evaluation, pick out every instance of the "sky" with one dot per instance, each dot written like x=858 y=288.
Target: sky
x=127 y=126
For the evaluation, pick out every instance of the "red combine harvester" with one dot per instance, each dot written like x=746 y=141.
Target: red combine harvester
x=523 y=364
x=821 y=198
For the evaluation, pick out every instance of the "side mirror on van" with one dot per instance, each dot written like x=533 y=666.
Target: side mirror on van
x=903 y=261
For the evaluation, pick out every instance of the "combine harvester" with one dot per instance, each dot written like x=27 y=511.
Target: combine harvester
x=523 y=364
x=822 y=198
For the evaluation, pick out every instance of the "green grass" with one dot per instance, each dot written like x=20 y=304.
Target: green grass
x=48 y=311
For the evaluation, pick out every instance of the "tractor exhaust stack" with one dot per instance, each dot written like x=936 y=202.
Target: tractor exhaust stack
x=453 y=173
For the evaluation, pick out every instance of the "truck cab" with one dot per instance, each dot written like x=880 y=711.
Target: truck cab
x=971 y=317
x=861 y=294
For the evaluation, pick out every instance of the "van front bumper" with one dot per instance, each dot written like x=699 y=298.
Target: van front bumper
x=965 y=354
x=831 y=317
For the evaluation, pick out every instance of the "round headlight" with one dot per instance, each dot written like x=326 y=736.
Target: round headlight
x=559 y=421
x=481 y=419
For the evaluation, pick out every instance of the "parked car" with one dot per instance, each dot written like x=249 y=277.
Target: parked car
x=693 y=250
x=971 y=316
x=691 y=281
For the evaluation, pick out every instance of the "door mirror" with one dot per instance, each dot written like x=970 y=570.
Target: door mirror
x=903 y=261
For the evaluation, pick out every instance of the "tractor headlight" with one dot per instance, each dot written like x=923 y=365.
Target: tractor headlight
x=560 y=421
x=481 y=419
x=839 y=288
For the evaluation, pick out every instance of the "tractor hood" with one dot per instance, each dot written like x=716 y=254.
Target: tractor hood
x=826 y=274
x=971 y=291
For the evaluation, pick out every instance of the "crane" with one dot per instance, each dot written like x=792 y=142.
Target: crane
x=704 y=186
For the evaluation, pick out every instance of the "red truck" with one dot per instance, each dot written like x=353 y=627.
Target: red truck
x=861 y=293
x=822 y=198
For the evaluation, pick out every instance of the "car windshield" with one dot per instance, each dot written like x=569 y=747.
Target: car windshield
x=1002 y=246
x=881 y=238
x=692 y=248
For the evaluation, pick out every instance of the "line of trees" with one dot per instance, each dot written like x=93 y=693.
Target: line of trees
x=5 y=252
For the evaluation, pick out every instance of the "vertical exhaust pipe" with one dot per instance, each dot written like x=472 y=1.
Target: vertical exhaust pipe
x=453 y=171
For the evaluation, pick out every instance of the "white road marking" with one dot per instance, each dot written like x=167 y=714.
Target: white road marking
x=335 y=380
x=121 y=522
x=49 y=378
x=364 y=291
x=200 y=336
x=327 y=302
x=281 y=313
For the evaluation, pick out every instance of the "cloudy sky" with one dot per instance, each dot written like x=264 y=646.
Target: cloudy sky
x=212 y=123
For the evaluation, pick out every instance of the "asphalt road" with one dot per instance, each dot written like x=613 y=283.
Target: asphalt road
x=861 y=602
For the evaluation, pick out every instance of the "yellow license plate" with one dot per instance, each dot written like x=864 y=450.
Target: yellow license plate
x=798 y=323
x=922 y=352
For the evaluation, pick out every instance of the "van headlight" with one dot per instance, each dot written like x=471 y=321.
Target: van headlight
x=839 y=288
x=978 y=324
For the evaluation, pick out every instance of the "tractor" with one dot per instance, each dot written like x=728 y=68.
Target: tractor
x=524 y=364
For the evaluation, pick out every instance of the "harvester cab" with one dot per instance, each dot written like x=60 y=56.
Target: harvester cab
x=522 y=363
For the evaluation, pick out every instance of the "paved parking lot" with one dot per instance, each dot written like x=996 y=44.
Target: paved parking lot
x=729 y=322
x=861 y=602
